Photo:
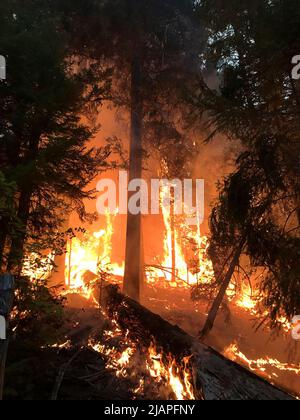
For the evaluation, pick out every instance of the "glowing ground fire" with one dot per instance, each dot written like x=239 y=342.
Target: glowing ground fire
x=152 y=365
x=260 y=365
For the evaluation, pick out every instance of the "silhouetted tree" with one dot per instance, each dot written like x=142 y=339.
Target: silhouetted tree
x=251 y=46
x=44 y=139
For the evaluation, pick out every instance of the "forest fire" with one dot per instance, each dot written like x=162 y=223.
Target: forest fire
x=37 y=267
x=149 y=200
x=145 y=369
x=92 y=253
x=89 y=261
x=267 y=367
x=89 y=258
x=199 y=269
x=171 y=373
x=117 y=360
x=246 y=300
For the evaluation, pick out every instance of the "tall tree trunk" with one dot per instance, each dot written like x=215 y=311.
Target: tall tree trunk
x=219 y=299
x=17 y=246
x=70 y=261
x=3 y=236
x=133 y=260
x=173 y=238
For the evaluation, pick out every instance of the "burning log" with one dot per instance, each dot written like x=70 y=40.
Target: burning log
x=144 y=324
x=215 y=377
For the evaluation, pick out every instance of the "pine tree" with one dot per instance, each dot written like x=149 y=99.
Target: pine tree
x=44 y=141
x=252 y=45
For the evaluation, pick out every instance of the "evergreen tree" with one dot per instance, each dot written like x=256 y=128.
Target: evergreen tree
x=44 y=138
x=251 y=46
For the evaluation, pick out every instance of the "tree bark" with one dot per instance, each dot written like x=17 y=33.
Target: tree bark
x=173 y=235
x=17 y=246
x=219 y=299
x=133 y=260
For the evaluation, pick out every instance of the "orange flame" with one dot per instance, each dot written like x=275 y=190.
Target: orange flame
x=90 y=254
x=171 y=373
x=163 y=370
x=260 y=365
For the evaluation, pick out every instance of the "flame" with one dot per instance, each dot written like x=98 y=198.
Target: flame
x=93 y=252
x=65 y=345
x=176 y=269
x=164 y=370
x=38 y=268
x=140 y=388
x=247 y=300
x=171 y=373
x=260 y=365
x=118 y=359
x=90 y=254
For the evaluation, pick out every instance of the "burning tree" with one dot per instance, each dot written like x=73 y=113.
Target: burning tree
x=258 y=104
x=149 y=45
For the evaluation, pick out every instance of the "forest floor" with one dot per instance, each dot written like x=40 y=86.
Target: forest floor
x=73 y=372
x=81 y=366
x=76 y=371
x=175 y=306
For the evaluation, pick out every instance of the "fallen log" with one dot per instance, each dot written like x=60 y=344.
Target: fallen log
x=216 y=378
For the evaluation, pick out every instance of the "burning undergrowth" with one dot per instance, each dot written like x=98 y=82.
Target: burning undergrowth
x=151 y=374
x=132 y=353
x=269 y=368
x=99 y=360
x=146 y=367
x=125 y=351
x=114 y=356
